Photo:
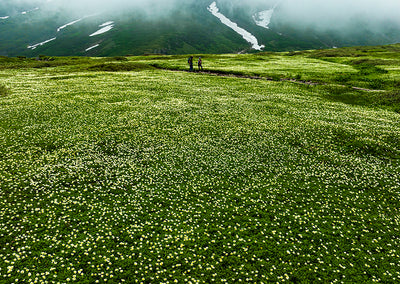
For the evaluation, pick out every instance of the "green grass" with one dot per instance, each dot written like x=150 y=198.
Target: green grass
x=340 y=71
x=113 y=170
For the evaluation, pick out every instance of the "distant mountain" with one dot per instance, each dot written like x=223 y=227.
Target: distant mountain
x=44 y=27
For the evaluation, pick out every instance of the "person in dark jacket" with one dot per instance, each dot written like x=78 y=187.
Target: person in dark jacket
x=200 y=64
x=190 y=62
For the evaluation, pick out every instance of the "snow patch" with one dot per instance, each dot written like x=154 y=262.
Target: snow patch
x=263 y=19
x=107 y=26
x=41 y=43
x=245 y=34
x=102 y=31
x=74 y=22
x=26 y=12
x=90 y=48
x=3 y=18
x=69 y=24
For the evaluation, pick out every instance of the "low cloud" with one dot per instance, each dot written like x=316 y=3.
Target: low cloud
x=328 y=14
x=317 y=13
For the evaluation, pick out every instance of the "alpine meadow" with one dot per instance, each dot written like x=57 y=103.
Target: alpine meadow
x=263 y=167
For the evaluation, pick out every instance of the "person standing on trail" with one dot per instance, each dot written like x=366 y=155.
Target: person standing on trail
x=190 y=62
x=200 y=64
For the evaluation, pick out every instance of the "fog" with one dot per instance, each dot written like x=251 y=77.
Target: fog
x=339 y=13
x=323 y=14
x=86 y=7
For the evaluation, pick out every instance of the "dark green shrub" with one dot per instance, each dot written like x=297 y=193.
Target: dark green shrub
x=42 y=65
x=396 y=84
x=376 y=83
x=366 y=61
x=367 y=69
x=44 y=58
x=298 y=77
x=291 y=53
x=369 y=66
x=274 y=77
x=343 y=78
x=391 y=98
x=119 y=58
x=337 y=90
x=4 y=91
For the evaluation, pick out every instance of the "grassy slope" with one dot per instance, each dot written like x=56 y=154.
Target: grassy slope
x=153 y=175
x=335 y=71
x=191 y=29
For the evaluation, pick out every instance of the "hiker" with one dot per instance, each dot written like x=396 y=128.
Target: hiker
x=190 y=62
x=200 y=64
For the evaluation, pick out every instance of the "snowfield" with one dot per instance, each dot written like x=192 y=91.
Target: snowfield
x=263 y=19
x=69 y=24
x=245 y=34
x=92 y=47
x=107 y=26
x=41 y=43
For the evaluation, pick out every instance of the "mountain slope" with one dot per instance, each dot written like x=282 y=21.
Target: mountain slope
x=190 y=28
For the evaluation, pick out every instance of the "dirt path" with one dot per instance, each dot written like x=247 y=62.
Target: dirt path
x=303 y=82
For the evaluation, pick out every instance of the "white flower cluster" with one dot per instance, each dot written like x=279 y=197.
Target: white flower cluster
x=164 y=177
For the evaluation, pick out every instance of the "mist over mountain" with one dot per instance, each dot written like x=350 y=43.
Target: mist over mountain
x=120 y=27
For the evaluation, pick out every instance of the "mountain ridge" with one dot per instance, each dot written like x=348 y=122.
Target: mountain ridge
x=194 y=28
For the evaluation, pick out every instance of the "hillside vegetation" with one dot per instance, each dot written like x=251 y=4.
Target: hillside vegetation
x=31 y=28
x=263 y=167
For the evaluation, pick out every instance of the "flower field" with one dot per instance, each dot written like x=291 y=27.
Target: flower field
x=144 y=175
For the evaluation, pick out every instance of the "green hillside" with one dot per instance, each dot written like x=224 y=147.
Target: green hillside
x=266 y=167
x=187 y=28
